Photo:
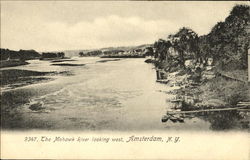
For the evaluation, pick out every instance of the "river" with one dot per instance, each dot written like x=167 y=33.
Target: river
x=103 y=94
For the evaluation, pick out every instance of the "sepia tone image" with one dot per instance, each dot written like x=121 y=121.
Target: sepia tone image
x=125 y=66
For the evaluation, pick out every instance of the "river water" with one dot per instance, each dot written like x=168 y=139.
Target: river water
x=120 y=94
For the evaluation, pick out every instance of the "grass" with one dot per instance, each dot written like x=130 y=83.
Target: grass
x=229 y=91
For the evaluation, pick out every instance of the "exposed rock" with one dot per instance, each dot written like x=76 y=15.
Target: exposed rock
x=165 y=81
x=149 y=61
x=37 y=106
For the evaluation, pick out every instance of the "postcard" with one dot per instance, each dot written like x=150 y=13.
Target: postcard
x=125 y=80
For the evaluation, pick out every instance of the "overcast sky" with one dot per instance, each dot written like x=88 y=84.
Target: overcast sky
x=62 y=25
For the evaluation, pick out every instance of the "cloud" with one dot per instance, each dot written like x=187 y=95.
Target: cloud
x=45 y=26
x=107 y=31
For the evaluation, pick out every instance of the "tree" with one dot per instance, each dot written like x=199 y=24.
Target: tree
x=230 y=39
x=149 y=51
x=184 y=42
x=61 y=54
x=161 y=49
x=81 y=54
x=204 y=49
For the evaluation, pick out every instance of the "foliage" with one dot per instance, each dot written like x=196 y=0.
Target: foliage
x=53 y=55
x=161 y=49
x=91 y=53
x=81 y=54
x=149 y=51
x=230 y=39
x=21 y=54
x=185 y=42
x=227 y=43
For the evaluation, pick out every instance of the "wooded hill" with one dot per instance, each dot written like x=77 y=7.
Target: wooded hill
x=226 y=44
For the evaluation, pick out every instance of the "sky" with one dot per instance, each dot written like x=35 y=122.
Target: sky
x=65 y=25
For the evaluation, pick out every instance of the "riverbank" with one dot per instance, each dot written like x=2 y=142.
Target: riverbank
x=220 y=97
x=207 y=88
x=12 y=63
x=215 y=91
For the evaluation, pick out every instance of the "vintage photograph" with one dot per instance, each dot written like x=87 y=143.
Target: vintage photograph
x=125 y=66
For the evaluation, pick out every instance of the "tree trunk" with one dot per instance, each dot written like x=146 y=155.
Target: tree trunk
x=182 y=60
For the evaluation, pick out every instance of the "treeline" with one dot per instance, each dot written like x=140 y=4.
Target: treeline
x=91 y=53
x=226 y=44
x=22 y=55
x=128 y=53
x=111 y=52
x=100 y=53
x=52 y=55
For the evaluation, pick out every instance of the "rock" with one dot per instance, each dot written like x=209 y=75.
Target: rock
x=36 y=106
x=164 y=81
x=165 y=118
x=149 y=61
x=173 y=119
x=181 y=120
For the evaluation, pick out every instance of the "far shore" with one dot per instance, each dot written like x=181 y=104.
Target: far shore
x=12 y=63
x=123 y=56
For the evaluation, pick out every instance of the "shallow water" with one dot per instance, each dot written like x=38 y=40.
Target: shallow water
x=119 y=94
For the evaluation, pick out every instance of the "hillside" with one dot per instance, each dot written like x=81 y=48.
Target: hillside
x=72 y=53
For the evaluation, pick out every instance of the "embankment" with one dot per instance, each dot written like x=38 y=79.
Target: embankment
x=206 y=87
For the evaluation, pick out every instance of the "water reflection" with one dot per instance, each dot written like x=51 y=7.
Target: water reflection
x=224 y=120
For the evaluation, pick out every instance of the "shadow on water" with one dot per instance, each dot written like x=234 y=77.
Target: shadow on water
x=224 y=120
x=212 y=120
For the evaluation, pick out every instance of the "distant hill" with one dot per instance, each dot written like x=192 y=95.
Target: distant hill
x=126 y=48
x=72 y=53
